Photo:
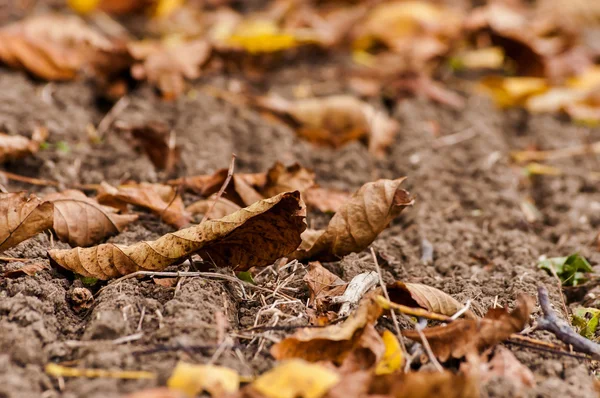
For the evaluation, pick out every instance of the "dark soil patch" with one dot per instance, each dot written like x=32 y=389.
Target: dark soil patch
x=468 y=206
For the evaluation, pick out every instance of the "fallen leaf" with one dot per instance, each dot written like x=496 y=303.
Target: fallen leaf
x=257 y=36
x=425 y=384
x=482 y=58
x=506 y=365
x=82 y=221
x=393 y=358
x=194 y=379
x=471 y=336
x=513 y=91
x=253 y=236
x=331 y=343
x=571 y=269
x=430 y=298
x=167 y=63
x=357 y=223
x=158 y=141
x=586 y=320
x=108 y=6
x=337 y=120
x=29 y=269
x=222 y=208
x=157 y=392
x=324 y=199
x=280 y=179
x=16 y=146
x=322 y=285
x=58 y=47
x=296 y=378
x=162 y=200
x=22 y=217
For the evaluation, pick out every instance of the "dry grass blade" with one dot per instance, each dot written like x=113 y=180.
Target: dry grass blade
x=22 y=217
x=471 y=336
x=253 y=236
x=358 y=222
x=430 y=298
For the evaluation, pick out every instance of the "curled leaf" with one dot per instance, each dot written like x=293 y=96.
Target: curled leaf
x=472 y=336
x=157 y=140
x=81 y=221
x=162 y=200
x=331 y=343
x=393 y=358
x=430 y=298
x=221 y=208
x=337 y=120
x=22 y=217
x=253 y=236
x=358 y=222
x=322 y=285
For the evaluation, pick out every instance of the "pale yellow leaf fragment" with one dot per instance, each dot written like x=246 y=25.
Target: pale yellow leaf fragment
x=296 y=378
x=193 y=379
x=392 y=358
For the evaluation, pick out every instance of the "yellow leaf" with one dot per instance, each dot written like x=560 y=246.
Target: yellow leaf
x=513 y=91
x=164 y=8
x=83 y=6
x=296 y=378
x=392 y=358
x=490 y=58
x=63 y=371
x=587 y=80
x=193 y=379
x=260 y=36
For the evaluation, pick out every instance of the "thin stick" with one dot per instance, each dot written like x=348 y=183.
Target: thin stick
x=110 y=117
x=550 y=350
x=527 y=156
x=430 y=354
x=387 y=297
x=220 y=193
x=418 y=312
x=29 y=180
x=9 y=259
x=561 y=329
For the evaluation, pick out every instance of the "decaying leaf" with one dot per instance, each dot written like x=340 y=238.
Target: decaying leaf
x=445 y=384
x=471 y=336
x=162 y=200
x=513 y=91
x=81 y=221
x=58 y=47
x=167 y=63
x=323 y=285
x=158 y=141
x=331 y=343
x=430 y=298
x=324 y=199
x=193 y=379
x=29 y=269
x=358 y=222
x=280 y=179
x=296 y=378
x=221 y=208
x=16 y=146
x=506 y=365
x=337 y=120
x=22 y=217
x=253 y=236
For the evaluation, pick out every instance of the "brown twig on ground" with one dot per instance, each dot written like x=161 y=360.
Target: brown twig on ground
x=29 y=180
x=220 y=193
x=413 y=311
x=540 y=345
x=528 y=156
x=561 y=329
x=9 y=259
x=110 y=117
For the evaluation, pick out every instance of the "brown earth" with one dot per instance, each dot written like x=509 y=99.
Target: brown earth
x=468 y=207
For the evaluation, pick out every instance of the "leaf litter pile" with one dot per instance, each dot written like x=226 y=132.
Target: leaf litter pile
x=298 y=198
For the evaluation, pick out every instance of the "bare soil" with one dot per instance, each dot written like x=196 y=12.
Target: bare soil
x=468 y=207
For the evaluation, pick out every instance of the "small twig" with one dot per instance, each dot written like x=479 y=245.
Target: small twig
x=356 y=289
x=561 y=329
x=9 y=259
x=427 y=347
x=460 y=312
x=110 y=117
x=412 y=311
x=547 y=349
x=177 y=347
x=220 y=193
x=456 y=138
x=29 y=180
x=528 y=156
x=387 y=297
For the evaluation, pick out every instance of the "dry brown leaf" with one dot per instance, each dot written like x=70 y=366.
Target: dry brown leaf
x=471 y=336
x=169 y=62
x=337 y=120
x=22 y=217
x=430 y=298
x=162 y=200
x=222 y=208
x=253 y=236
x=58 y=47
x=324 y=199
x=506 y=365
x=158 y=141
x=16 y=146
x=322 y=285
x=358 y=222
x=331 y=343
x=423 y=384
x=205 y=184
x=81 y=221
x=29 y=269
x=286 y=179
